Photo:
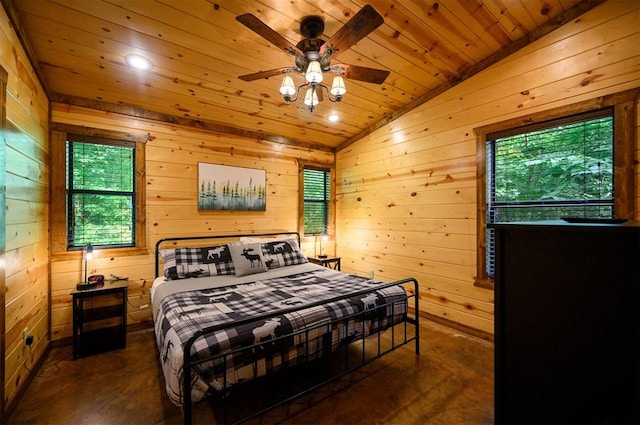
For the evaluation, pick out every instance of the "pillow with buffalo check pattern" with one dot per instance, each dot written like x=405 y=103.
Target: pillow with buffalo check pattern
x=181 y=263
x=280 y=253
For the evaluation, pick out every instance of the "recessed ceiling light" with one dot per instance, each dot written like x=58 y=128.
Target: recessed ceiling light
x=138 y=62
x=333 y=117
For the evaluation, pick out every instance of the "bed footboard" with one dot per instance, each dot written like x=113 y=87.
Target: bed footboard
x=403 y=331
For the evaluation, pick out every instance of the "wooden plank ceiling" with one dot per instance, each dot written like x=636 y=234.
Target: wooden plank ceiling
x=199 y=49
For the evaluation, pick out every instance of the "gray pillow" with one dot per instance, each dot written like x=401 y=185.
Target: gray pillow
x=247 y=259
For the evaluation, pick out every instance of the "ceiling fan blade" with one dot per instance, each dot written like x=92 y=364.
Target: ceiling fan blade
x=264 y=31
x=267 y=74
x=358 y=27
x=361 y=73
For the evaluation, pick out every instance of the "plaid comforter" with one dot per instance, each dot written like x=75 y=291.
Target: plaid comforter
x=184 y=313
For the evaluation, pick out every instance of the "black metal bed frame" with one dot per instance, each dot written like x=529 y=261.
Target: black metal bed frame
x=406 y=337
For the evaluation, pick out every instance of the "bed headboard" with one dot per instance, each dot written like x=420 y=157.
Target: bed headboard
x=187 y=239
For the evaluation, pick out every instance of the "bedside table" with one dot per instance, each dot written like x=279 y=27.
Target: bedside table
x=330 y=262
x=100 y=319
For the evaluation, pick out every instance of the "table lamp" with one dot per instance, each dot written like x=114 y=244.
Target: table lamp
x=87 y=254
x=322 y=237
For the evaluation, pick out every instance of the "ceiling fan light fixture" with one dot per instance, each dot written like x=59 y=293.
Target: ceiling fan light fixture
x=313 y=56
x=338 y=87
x=287 y=88
x=314 y=72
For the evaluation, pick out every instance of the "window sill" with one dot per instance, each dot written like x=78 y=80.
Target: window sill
x=100 y=253
x=484 y=282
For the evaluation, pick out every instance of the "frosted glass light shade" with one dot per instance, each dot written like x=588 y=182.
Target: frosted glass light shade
x=314 y=72
x=311 y=97
x=337 y=87
x=287 y=88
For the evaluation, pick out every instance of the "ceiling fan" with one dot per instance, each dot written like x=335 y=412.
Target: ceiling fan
x=313 y=56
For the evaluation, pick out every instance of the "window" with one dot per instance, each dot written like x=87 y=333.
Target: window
x=317 y=193
x=315 y=207
x=574 y=161
x=556 y=169
x=100 y=193
x=101 y=174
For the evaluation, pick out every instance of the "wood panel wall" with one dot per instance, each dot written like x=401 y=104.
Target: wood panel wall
x=406 y=194
x=172 y=157
x=26 y=181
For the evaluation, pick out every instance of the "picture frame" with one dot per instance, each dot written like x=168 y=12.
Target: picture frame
x=225 y=187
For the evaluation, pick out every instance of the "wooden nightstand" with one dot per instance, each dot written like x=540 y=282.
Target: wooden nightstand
x=100 y=319
x=330 y=262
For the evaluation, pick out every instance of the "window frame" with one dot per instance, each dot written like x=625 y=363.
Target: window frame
x=624 y=110
x=302 y=165
x=60 y=133
x=4 y=78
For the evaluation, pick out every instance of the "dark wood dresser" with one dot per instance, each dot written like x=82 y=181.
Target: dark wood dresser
x=567 y=325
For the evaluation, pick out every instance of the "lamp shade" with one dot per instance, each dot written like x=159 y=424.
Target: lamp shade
x=287 y=88
x=337 y=87
x=88 y=255
x=311 y=97
x=314 y=72
x=88 y=251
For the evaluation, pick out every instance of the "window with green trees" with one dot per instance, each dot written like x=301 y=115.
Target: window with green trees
x=317 y=196
x=575 y=160
x=98 y=185
x=101 y=194
x=552 y=170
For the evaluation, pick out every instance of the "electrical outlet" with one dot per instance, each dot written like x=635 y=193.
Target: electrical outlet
x=27 y=339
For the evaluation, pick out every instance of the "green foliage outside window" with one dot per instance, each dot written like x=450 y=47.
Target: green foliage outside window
x=101 y=194
x=550 y=173
x=316 y=201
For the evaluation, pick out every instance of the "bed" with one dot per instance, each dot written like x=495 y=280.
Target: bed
x=229 y=309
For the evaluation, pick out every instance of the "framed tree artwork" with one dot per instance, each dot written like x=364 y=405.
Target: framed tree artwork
x=223 y=187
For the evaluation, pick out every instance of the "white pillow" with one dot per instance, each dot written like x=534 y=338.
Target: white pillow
x=247 y=259
x=253 y=239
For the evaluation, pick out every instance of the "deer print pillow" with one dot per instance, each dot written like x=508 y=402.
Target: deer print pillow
x=283 y=252
x=247 y=259
x=181 y=263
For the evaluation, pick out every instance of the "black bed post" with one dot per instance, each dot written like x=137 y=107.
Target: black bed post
x=417 y=308
x=186 y=381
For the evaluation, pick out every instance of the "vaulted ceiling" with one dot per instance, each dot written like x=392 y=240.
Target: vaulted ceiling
x=199 y=49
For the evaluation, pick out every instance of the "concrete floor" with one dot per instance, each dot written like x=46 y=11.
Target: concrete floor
x=450 y=382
